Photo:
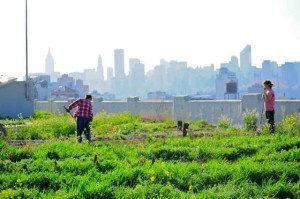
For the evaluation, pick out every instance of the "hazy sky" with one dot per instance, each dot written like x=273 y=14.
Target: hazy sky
x=201 y=32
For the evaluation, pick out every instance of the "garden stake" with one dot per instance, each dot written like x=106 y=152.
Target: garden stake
x=184 y=130
x=179 y=125
x=2 y=130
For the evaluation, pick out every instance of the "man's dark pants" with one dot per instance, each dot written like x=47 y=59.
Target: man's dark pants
x=84 y=123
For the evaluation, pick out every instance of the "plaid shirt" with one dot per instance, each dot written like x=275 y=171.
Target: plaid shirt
x=84 y=108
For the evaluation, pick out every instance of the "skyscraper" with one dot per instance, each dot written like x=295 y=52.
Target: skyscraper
x=119 y=64
x=266 y=72
x=110 y=76
x=233 y=64
x=136 y=77
x=132 y=65
x=49 y=67
x=289 y=74
x=136 y=70
x=100 y=69
x=49 y=64
x=245 y=59
x=110 y=73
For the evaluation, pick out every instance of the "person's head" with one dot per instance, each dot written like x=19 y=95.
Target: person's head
x=88 y=97
x=268 y=84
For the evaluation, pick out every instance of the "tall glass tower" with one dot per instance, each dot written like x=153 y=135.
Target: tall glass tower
x=245 y=59
x=100 y=71
x=119 y=63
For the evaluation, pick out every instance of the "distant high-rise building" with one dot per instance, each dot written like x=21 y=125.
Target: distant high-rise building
x=136 y=70
x=136 y=78
x=177 y=77
x=100 y=69
x=110 y=73
x=233 y=64
x=49 y=64
x=132 y=63
x=266 y=72
x=100 y=76
x=91 y=79
x=110 y=77
x=49 y=67
x=289 y=74
x=119 y=63
x=245 y=59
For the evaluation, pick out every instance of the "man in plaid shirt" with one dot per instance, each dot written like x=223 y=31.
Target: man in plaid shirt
x=83 y=115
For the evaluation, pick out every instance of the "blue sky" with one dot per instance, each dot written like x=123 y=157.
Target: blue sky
x=201 y=32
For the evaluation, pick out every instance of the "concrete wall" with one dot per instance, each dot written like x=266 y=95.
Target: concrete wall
x=286 y=107
x=13 y=102
x=212 y=110
x=182 y=108
x=158 y=110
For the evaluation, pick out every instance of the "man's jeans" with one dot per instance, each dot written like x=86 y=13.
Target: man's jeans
x=84 y=123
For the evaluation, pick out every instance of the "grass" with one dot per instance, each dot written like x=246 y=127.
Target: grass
x=226 y=162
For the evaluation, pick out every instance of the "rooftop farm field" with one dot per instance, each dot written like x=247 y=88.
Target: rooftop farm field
x=135 y=158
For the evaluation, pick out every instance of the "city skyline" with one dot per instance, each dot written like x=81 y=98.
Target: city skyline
x=198 y=32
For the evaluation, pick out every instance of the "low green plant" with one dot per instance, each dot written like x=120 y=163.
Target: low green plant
x=38 y=114
x=114 y=119
x=232 y=130
x=224 y=122
x=250 y=118
x=43 y=128
x=200 y=124
x=289 y=125
x=150 y=138
x=264 y=129
x=232 y=166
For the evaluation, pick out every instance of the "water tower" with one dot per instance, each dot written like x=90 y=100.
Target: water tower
x=231 y=90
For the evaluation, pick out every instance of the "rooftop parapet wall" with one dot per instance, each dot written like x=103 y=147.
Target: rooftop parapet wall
x=182 y=108
x=153 y=110
x=13 y=102
x=212 y=110
x=284 y=108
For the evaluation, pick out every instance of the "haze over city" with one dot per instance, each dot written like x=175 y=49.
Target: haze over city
x=198 y=32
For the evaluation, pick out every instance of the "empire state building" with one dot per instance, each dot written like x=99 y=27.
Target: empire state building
x=49 y=64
